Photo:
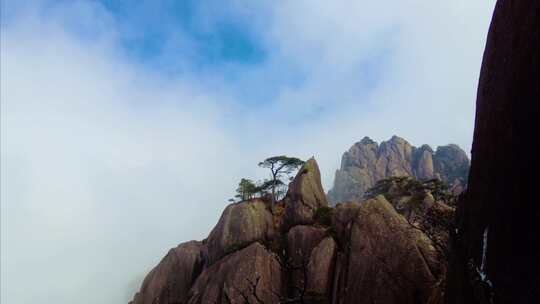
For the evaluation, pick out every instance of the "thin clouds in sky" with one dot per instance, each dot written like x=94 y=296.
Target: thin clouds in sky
x=117 y=146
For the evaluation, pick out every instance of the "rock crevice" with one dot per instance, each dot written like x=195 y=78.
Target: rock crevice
x=363 y=251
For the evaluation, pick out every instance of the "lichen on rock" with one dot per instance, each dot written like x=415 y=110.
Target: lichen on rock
x=240 y=225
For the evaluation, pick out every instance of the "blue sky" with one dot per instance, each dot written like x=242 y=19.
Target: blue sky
x=226 y=40
x=215 y=41
x=119 y=116
x=145 y=27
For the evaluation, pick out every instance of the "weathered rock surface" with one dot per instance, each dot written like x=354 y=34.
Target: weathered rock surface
x=230 y=279
x=301 y=240
x=320 y=269
x=240 y=225
x=423 y=162
x=171 y=279
x=389 y=261
x=305 y=195
x=493 y=256
x=452 y=164
x=354 y=252
x=342 y=219
x=300 y=243
x=425 y=205
x=367 y=162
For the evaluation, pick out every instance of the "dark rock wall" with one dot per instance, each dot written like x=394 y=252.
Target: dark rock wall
x=502 y=197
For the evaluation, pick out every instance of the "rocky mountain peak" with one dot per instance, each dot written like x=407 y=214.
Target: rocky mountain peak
x=300 y=250
x=366 y=140
x=399 y=140
x=305 y=195
x=426 y=147
x=367 y=162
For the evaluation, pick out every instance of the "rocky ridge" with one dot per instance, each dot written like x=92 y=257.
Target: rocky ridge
x=367 y=162
x=300 y=250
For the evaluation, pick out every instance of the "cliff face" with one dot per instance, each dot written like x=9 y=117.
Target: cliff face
x=493 y=258
x=300 y=250
x=367 y=162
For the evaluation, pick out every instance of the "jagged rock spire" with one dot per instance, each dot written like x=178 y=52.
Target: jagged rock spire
x=305 y=195
x=367 y=162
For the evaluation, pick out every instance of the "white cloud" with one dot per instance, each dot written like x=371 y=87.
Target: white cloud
x=107 y=163
x=102 y=168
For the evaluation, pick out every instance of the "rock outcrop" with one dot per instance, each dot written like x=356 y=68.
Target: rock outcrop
x=305 y=195
x=367 y=162
x=171 y=279
x=494 y=259
x=320 y=269
x=301 y=240
x=252 y=274
x=299 y=250
x=389 y=261
x=240 y=225
x=426 y=205
x=342 y=217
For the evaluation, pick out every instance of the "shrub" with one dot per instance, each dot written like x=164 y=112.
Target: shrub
x=323 y=216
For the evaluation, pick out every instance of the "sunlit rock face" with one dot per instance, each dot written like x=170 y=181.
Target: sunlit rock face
x=389 y=260
x=493 y=258
x=229 y=279
x=305 y=195
x=367 y=162
x=240 y=225
x=171 y=279
x=300 y=250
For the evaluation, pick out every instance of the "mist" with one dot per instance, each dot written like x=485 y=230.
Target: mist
x=107 y=161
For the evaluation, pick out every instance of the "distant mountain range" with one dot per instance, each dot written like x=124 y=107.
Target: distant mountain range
x=367 y=162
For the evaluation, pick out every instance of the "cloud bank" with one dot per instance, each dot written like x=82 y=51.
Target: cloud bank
x=108 y=160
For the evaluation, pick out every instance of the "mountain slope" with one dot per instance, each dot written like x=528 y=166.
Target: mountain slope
x=300 y=250
x=367 y=162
